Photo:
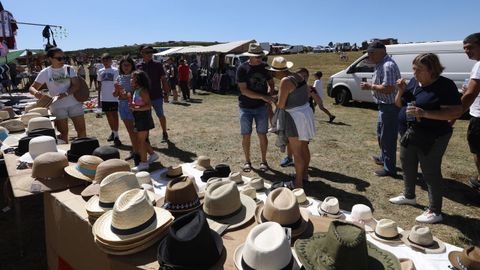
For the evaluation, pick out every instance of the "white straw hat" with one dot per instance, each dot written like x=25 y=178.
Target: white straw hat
x=39 y=145
x=257 y=183
x=39 y=122
x=362 y=215
x=330 y=207
x=279 y=63
x=143 y=178
x=387 y=231
x=30 y=115
x=302 y=197
x=236 y=177
x=421 y=238
x=41 y=111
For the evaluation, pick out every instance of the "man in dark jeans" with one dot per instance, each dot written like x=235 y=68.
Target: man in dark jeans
x=383 y=89
x=158 y=84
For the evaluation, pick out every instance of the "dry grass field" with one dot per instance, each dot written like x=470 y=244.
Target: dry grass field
x=340 y=164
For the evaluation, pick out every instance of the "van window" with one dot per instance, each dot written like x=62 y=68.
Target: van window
x=363 y=66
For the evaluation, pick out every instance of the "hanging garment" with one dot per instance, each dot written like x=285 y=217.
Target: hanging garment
x=47 y=33
x=8 y=27
x=3 y=49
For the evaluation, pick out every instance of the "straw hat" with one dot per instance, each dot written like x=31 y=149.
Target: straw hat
x=38 y=122
x=236 y=177
x=254 y=49
x=215 y=180
x=279 y=63
x=266 y=247
x=85 y=168
x=281 y=206
x=302 y=197
x=469 y=258
x=257 y=183
x=174 y=171
x=4 y=115
x=39 y=145
x=3 y=134
x=42 y=111
x=224 y=204
x=250 y=192
x=104 y=169
x=30 y=107
x=386 y=231
x=143 y=178
x=30 y=115
x=421 y=238
x=49 y=165
x=13 y=125
x=110 y=189
x=362 y=215
x=330 y=208
x=133 y=216
x=202 y=163
x=180 y=196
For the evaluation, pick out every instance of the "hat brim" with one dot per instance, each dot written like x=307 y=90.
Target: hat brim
x=10 y=141
x=304 y=215
x=91 y=190
x=339 y=215
x=264 y=53
x=73 y=172
x=452 y=257
x=95 y=210
x=29 y=159
x=246 y=214
x=201 y=168
x=237 y=258
x=437 y=247
x=289 y=66
x=102 y=228
x=308 y=201
x=161 y=201
x=397 y=240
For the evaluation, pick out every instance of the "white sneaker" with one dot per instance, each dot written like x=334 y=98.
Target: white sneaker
x=272 y=130
x=143 y=166
x=429 y=217
x=153 y=157
x=402 y=200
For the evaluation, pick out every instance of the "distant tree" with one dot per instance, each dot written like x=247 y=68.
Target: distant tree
x=364 y=45
x=330 y=44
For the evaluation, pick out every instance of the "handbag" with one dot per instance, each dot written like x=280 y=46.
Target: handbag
x=83 y=93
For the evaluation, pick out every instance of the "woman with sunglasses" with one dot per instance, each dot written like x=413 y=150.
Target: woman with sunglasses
x=62 y=82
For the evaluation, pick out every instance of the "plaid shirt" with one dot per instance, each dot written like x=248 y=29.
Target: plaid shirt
x=386 y=73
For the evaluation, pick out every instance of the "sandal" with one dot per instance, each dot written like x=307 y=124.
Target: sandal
x=247 y=167
x=263 y=167
x=290 y=185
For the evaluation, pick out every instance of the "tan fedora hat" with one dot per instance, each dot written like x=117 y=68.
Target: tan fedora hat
x=362 y=215
x=85 y=168
x=39 y=122
x=30 y=115
x=180 y=196
x=249 y=191
x=279 y=63
x=13 y=125
x=468 y=258
x=110 y=189
x=421 y=238
x=281 y=206
x=174 y=171
x=104 y=169
x=236 y=177
x=39 y=145
x=42 y=111
x=254 y=49
x=386 y=231
x=224 y=204
x=202 y=163
x=4 y=115
x=133 y=217
x=330 y=207
x=257 y=183
x=302 y=199
x=49 y=165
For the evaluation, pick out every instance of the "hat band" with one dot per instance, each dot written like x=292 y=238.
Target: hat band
x=225 y=216
x=173 y=175
x=328 y=213
x=289 y=266
x=181 y=206
x=280 y=69
x=3 y=136
x=85 y=171
x=106 y=205
x=292 y=226
x=422 y=245
x=134 y=230
x=387 y=238
x=460 y=263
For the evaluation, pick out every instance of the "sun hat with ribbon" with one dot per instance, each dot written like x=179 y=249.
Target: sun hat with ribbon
x=343 y=247
x=39 y=145
x=279 y=63
x=39 y=122
x=82 y=146
x=266 y=247
x=190 y=244
x=330 y=207
x=362 y=215
x=85 y=168
x=224 y=204
x=104 y=169
x=469 y=258
x=421 y=238
x=302 y=199
x=202 y=163
x=174 y=171
x=281 y=206
x=13 y=125
x=254 y=50
x=133 y=217
x=386 y=231
x=180 y=196
x=30 y=115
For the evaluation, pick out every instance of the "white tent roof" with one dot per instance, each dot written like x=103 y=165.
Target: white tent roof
x=235 y=46
x=169 y=51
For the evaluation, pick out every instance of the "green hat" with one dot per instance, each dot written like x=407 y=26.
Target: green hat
x=343 y=246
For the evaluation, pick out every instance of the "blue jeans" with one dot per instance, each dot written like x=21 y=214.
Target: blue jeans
x=248 y=115
x=387 y=130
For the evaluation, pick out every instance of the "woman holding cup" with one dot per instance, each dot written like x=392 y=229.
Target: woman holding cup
x=433 y=101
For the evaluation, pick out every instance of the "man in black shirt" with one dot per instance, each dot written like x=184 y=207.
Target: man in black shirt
x=256 y=85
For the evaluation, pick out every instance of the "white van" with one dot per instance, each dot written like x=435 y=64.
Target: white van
x=293 y=49
x=345 y=85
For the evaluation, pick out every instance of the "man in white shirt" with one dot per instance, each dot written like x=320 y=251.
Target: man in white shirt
x=471 y=99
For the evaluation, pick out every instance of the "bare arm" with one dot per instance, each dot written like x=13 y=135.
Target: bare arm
x=401 y=84
x=165 y=85
x=286 y=86
x=271 y=87
x=251 y=94
x=449 y=112
x=34 y=90
x=470 y=94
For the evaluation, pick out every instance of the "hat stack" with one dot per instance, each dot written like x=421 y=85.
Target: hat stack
x=133 y=224
x=80 y=147
x=39 y=145
x=104 y=169
x=30 y=115
x=85 y=168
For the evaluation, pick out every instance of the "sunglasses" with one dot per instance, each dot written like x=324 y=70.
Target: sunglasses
x=59 y=58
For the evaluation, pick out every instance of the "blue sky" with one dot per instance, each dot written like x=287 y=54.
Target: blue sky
x=95 y=24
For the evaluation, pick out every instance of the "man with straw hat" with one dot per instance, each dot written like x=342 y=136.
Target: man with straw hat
x=254 y=82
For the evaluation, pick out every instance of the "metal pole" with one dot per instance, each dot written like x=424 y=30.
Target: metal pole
x=37 y=24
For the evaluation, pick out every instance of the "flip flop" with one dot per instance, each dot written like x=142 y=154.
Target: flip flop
x=263 y=167
x=247 y=167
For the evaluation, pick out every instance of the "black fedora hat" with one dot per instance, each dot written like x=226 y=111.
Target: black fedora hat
x=190 y=244
x=106 y=152
x=80 y=147
x=208 y=173
x=223 y=170
x=43 y=132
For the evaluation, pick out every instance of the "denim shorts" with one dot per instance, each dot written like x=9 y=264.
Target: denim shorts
x=68 y=112
x=157 y=105
x=125 y=113
x=248 y=115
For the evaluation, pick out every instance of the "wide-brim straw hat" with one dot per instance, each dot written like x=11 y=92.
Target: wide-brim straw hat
x=279 y=63
x=255 y=50
x=386 y=231
x=85 y=168
x=40 y=145
x=419 y=233
x=13 y=125
x=134 y=214
x=94 y=209
x=104 y=169
x=30 y=115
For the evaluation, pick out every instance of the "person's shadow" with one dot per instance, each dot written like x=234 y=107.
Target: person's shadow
x=360 y=184
x=173 y=151
x=455 y=191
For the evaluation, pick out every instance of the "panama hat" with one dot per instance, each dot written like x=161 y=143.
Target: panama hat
x=343 y=247
x=39 y=145
x=362 y=215
x=266 y=247
x=39 y=122
x=257 y=183
x=190 y=244
x=85 y=168
x=180 y=196
x=42 y=111
x=280 y=64
x=421 y=238
x=13 y=125
x=202 y=163
x=236 y=177
x=469 y=258
x=143 y=178
x=302 y=199
x=104 y=169
x=330 y=207
x=224 y=204
x=254 y=49
x=26 y=117
x=174 y=171
x=250 y=192
x=281 y=206
x=386 y=231
x=133 y=216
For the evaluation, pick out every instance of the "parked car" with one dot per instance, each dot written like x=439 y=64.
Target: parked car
x=294 y=49
x=329 y=49
x=319 y=49
x=345 y=85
